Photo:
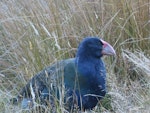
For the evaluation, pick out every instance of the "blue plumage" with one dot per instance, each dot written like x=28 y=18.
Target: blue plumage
x=84 y=76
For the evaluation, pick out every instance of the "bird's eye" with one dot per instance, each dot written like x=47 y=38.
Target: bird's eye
x=100 y=42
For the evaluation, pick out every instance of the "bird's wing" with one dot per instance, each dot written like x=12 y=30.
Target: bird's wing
x=48 y=78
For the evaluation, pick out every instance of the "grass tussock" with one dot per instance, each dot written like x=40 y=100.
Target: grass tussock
x=35 y=34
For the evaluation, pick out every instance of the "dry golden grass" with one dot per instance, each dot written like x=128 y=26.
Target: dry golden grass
x=35 y=34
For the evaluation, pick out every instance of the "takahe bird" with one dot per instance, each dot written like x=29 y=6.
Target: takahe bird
x=83 y=77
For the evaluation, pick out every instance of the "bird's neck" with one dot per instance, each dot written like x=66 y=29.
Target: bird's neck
x=87 y=65
x=86 y=60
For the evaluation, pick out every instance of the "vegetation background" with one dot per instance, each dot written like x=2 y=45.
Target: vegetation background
x=37 y=33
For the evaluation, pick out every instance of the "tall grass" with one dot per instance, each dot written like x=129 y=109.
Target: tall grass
x=35 y=34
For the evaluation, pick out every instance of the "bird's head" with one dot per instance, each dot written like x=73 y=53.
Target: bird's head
x=94 y=47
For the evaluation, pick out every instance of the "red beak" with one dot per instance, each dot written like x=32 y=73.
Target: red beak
x=107 y=48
